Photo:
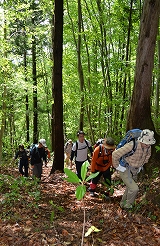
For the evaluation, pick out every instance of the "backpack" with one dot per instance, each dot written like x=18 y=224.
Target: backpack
x=66 y=145
x=33 y=146
x=83 y=148
x=131 y=135
x=99 y=141
x=105 y=158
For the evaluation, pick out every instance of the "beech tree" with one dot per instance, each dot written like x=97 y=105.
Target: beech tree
x=140 y=109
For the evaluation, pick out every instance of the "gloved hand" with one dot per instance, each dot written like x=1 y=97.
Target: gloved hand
x=121 y=169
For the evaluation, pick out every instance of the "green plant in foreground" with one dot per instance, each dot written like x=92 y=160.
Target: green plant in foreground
x=54 y=206
x=81 y=191
x=110 y=185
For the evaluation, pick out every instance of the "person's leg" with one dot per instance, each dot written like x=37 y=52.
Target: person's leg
x=132 y=189
x=67 y=158
x=39 y=168
x=107 y=179
x=21 y=167
x=124 y=198
x=93 y=184
x=35 y=170
x=78 y=168
x=26 y=168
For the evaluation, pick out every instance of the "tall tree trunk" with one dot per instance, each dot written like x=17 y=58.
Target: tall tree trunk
x=126 y=65
x=80 y=69
x=4 y=96
x=27 y=101
x=157 y=85
x=34 y=76
x=57 y=41
x=140 y=111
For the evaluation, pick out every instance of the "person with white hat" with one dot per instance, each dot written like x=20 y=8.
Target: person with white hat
x=135 y=163
x=37 y=157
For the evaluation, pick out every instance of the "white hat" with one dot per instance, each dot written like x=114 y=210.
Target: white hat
x=43 y=142
x=147 y=137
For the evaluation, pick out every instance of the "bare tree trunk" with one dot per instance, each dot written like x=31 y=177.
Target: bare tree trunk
x=3 y=119
x=34 y=76
x=157 y=86
x=27 y=101
x=57 y=41
x=126 y=60
x=140 y=110
x=80 y=69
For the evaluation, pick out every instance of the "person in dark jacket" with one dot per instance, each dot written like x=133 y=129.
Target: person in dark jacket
x=23 y=160
x=37 y=157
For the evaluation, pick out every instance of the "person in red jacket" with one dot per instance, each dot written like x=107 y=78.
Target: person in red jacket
x=101 y=162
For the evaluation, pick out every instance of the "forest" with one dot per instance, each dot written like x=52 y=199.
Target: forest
x=100 y=41
x=91 y=65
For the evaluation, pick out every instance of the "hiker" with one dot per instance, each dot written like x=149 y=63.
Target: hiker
x=23 y=160
x=99 y=141
x=67 y=151
x=80 y=151
x=101 y=162
x=134 y=164
x=37 y=157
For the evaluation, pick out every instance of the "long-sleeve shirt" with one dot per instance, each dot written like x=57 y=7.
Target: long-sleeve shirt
x=101 y=159
x=138 y=159
x=38 y=155
x=22 y=155
x=80 y=150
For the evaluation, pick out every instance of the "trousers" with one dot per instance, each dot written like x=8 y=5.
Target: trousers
x=23 y=163
x=37 y=170
x=131 y=191
x=107 y=178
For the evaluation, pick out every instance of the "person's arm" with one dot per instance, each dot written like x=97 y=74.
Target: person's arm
x=94 y=159
x=148 y=154
x=117 y=154
x=73 y=152
x=44 y=157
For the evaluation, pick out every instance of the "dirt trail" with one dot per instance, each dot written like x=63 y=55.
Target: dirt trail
x=33 y=227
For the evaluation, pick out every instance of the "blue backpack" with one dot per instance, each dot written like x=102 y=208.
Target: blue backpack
x=131 y=135
x=33 y=146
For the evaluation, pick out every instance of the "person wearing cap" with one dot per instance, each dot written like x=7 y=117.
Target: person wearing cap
x=135 y=163
x=67 y=151
x=101 y=162
x=37 y=158
x=80 y=151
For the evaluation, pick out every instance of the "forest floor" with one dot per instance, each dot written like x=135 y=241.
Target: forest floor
x=56 y=219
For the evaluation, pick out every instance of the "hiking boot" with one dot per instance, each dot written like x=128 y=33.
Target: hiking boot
x=106 y=196
x=92 y=193
x=126 y=206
